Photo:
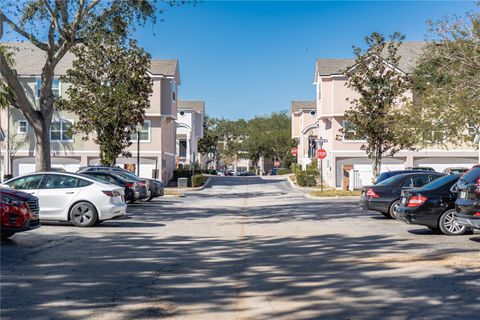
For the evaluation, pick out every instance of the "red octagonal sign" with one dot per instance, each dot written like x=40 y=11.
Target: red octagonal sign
x=321 y=153
x=294 y=152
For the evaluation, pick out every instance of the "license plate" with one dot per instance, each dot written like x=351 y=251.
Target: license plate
x=404 y=200
x=463 y=194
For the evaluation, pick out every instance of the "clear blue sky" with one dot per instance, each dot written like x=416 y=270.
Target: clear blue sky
x=250 y=58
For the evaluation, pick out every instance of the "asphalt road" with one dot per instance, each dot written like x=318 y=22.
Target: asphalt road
x=245 y=248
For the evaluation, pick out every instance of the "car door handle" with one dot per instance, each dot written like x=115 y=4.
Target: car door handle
x=69 y=192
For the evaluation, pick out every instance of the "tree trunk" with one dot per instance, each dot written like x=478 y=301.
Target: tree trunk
x=41 y=128
x=376 y=163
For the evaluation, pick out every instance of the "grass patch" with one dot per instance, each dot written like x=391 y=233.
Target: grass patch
x=172 y=192
x=335 y=193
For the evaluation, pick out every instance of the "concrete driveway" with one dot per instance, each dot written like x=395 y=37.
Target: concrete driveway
x=244 y=248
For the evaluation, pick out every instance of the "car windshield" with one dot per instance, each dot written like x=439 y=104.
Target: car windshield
x=441 y=182
x=383 y=176
x=126 y=175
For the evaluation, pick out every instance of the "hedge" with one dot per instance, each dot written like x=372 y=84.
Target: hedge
x=306 y=180
x=282 y=171
x=197 y=180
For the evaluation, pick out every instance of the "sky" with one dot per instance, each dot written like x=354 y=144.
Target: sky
x=253 y=58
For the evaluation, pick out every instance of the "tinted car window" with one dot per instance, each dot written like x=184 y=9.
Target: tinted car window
x=54 y=181
x=440 y=182
x=420 y=181
x=26 y=183
x=393 y=180
x=407 y=183
x=83 y=183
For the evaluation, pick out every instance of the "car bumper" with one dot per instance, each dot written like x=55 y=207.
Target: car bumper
x=467 y=220
x=112 y=210
x=28 y=225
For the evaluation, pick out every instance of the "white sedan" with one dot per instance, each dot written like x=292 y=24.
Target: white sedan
x=72 y=197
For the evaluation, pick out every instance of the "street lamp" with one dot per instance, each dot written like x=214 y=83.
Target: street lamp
x=138 y=128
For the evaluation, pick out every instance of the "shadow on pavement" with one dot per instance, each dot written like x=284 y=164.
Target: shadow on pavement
x=332 y=276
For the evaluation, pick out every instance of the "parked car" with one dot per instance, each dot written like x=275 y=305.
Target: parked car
x=421 y=168
x=155 y=187
x=455 y=170
x=134 y=190
x=432 y=205
x=467 y=204
x=78 y=199
x=384 y=197
x=388 y=174
x=18 y=212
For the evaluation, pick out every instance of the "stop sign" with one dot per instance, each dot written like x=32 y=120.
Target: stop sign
x=321 y=153
x=294 y=152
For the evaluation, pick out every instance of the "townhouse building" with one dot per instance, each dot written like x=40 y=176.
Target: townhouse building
x=70 y=152
x=189 y=130
x=346 y=164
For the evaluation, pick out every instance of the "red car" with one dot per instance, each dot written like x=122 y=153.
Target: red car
x=18 y=212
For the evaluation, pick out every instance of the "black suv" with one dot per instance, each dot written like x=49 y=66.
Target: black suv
x=155 y=186
x=468 y=199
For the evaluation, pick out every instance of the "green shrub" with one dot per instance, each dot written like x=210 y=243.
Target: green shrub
x=197 y=180
x=306 y=180
x=312 y=168
x=295 y=167
x=282 y=171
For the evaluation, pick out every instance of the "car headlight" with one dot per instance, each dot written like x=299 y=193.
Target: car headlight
x=12 y=201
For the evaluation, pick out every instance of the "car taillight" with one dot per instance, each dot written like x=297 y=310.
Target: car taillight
x=416 y=201
x=477 y=214
x=130 y=185
x=112 y=193
x=371 y=194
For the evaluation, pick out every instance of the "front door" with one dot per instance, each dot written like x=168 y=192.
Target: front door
x=346 y=176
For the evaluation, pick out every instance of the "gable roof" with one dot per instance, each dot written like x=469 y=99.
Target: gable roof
x=409 y=53
x=29 y=61
x=198 y=106
x=303 y=105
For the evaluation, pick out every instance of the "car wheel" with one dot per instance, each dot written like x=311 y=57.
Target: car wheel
x=6 y=235
x=83 y=214
x=448 y=225
x=393 y=207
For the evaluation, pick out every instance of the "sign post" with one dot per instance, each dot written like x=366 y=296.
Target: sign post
x=321 y=154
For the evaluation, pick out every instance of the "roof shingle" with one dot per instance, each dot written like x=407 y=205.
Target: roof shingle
x=198 y=106
x=303 y=105
x=29 y=60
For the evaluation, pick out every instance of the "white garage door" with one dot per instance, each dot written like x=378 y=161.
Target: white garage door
x=24 y=168
x=146 y=170
x=441 y=164
x=365 y=173
x=69 y=167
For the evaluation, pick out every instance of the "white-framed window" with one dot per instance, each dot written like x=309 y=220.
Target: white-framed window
x=56 y=87
x=144 y=134
x=60 y=131
x=22 y=126
x=349 y=133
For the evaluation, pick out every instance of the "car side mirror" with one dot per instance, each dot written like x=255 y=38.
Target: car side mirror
x=454 y=188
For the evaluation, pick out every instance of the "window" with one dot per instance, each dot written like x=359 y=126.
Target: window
x=26 y=183
x=55 y=87
x=349 y=132
x=420 y=181
x=60 y=131
x=22 y=126
x=312 y=148
x=182 y=150
x=144 y=134
x=54 y=181
x=174 y=90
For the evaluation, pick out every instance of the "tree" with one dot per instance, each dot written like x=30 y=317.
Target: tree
x=56 y=27
x=109 y=92
x=381 y=89
x=447 y=82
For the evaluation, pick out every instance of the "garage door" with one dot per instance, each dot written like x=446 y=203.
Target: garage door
x=441 y=164
x=365 y=174
x=69 y=167
x=24 y=168
x=146 y=170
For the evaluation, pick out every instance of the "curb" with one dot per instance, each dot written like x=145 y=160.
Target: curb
x=310 y=197
x=191 y=190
